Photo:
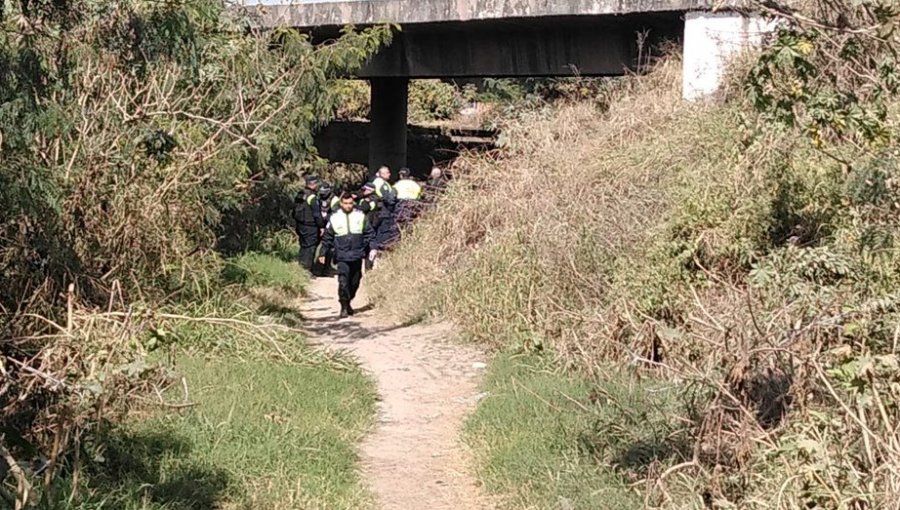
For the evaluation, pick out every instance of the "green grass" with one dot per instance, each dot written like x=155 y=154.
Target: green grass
x=275 y=424
x=263 y=435
x=548 y=439
x=265 y=270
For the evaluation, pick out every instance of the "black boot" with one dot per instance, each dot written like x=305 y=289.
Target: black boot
x=350 y=309
x=345 y=310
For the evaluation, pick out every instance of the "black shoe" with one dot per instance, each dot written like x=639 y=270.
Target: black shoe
x=350 y=310
x=344 y=313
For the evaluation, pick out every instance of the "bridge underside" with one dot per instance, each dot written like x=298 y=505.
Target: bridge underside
x=557 y=46
x=527 y=47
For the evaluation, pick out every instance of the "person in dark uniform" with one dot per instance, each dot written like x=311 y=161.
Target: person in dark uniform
x=325 y=199
x=349 y=234
x=409 y=196
x=387 y=233
x=368 y=203
x=309 y=222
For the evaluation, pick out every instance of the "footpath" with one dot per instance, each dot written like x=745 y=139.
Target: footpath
x=427 y=385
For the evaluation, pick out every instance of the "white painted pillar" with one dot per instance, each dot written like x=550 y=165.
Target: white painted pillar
x=710 y=40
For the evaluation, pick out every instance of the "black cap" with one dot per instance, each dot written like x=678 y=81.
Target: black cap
x=369 y=186
x=311 y=179
x=404 y=172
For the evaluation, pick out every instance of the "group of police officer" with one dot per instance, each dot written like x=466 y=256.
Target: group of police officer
x=344 y=231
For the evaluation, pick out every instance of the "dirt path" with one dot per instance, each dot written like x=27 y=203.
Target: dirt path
x=413 y=459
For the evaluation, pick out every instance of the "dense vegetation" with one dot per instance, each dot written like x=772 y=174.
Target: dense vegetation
x=742 y=254
x=137 y=138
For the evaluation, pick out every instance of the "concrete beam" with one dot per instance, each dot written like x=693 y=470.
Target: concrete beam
x=579 y=46
x=308 y=14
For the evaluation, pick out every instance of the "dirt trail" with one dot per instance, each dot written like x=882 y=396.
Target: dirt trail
x=413 y=459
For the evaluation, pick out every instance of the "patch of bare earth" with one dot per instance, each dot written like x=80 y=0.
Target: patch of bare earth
x=427 y=384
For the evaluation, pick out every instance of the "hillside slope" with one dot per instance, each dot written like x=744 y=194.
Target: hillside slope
x=749 y=264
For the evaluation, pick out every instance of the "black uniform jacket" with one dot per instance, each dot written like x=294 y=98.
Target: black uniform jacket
x=349 y=235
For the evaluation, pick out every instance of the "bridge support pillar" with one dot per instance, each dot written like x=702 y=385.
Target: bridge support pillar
x=710 y=40
x=387 y=116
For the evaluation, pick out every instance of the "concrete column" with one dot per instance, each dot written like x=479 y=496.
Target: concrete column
x=387 y=116
x=710 y=40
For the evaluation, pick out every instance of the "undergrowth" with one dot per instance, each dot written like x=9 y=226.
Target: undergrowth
x=140 y=141
x=544 y=439
x=261 y=435
x=745 y=251
x=243 y=413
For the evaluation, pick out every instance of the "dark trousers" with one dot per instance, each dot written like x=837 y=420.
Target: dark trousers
x=319 y=269
x=349 y=276
x=309 y=239
x=387 y=234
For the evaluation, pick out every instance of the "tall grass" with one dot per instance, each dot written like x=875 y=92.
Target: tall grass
x=707 y=246
x=527 y=243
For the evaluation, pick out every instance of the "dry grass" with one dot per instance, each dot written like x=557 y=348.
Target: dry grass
x=735 y=263
x=571 y=195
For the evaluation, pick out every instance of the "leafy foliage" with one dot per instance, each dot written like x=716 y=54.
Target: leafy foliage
x=834 y=77
x=431 y=100
x=132 y=135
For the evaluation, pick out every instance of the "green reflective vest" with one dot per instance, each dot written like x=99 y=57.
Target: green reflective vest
x=379 y=184
x=344 y=224
x=408 y=189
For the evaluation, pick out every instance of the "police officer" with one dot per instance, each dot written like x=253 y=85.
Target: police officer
x=409 y=194
x=349 y=234
x=325 y=196
x=383 y=187
x=309 y=221
x=406 y=188
x=369 y=204
x=387 y=233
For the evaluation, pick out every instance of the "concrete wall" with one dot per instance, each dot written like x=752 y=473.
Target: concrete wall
x=711 y=39
x=305 y=14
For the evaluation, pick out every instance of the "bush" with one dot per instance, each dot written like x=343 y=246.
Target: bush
x=355 y=98
x=134 y=135
x=431 y=100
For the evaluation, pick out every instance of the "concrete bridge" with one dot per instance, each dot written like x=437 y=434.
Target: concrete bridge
x=514 y=38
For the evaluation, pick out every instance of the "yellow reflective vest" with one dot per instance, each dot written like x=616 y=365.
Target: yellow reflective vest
x=408 y=189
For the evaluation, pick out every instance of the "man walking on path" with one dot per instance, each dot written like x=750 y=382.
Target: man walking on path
x=349 y=234
x=309 y=221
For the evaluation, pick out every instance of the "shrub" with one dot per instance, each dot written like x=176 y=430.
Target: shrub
x=431 y=100
x=133 y=135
